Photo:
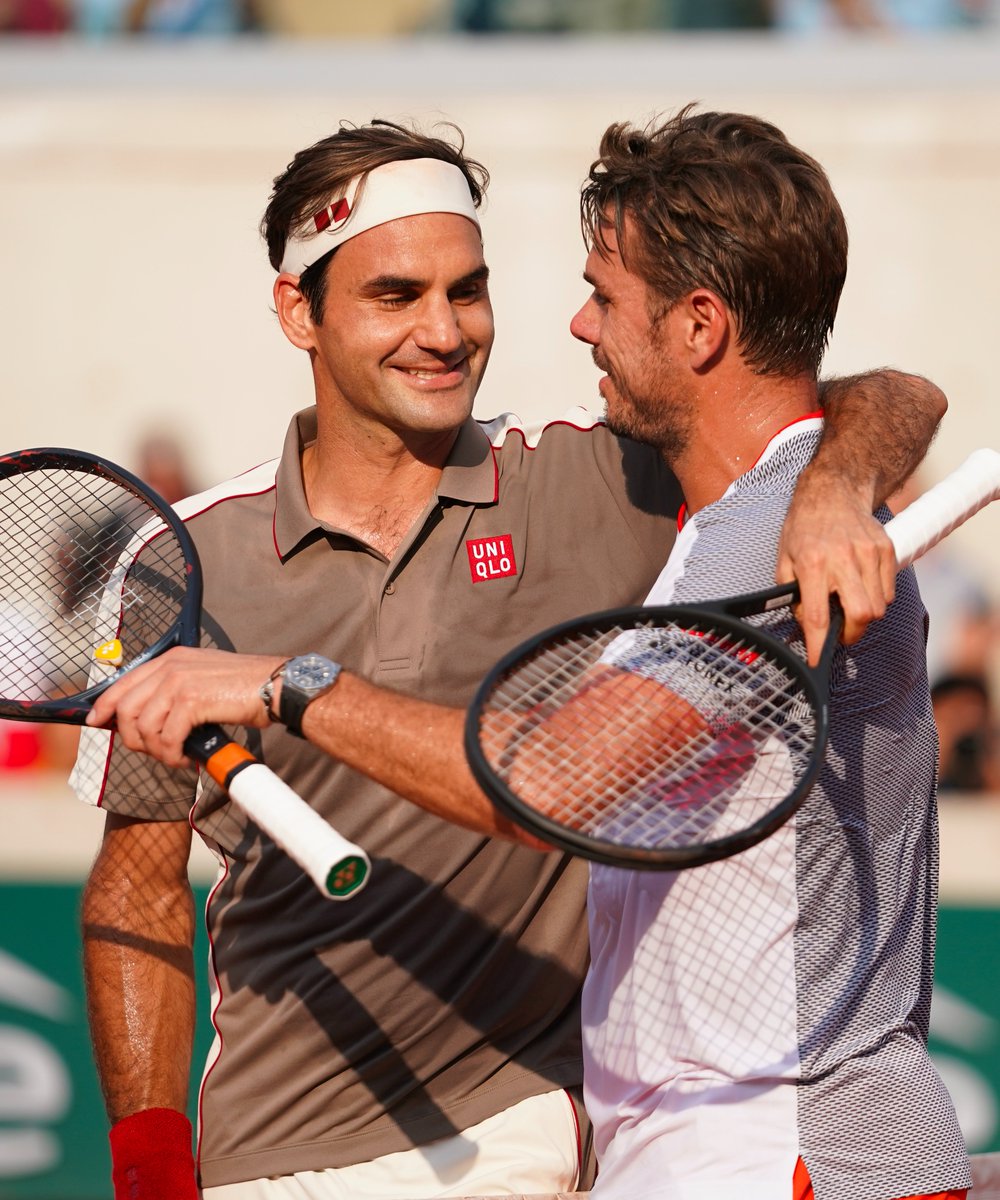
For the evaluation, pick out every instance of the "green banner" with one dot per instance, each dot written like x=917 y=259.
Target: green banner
x=53 y=1132
x=965 y=1019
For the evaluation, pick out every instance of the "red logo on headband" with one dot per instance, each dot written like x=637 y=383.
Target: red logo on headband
x=334 y=214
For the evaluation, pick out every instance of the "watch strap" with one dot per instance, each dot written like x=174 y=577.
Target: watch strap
x=266 y=690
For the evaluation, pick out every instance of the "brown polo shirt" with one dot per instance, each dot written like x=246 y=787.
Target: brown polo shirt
x=449 y=988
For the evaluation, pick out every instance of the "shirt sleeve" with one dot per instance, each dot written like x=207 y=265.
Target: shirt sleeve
x=109 y=776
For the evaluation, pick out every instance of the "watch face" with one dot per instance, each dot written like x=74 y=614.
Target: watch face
x=311 y=672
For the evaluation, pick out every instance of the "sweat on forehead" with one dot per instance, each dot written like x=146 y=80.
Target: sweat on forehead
x=404 y=188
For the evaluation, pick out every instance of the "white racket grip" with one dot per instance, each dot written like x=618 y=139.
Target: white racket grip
x=945 y=506
x=337 y=866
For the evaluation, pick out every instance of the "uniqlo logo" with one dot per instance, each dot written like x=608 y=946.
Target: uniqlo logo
x=491 y=558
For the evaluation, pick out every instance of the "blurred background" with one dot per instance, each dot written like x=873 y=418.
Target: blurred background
x=138 y=142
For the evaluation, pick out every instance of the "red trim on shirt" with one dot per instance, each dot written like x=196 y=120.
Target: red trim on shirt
x=682 y=511
x=810 y=416
x=520 y=432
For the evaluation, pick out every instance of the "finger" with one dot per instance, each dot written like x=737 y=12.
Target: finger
x=813 y=613
x=104 y=709
x=138 y=724
x=784 y=572
x=888 y=570
x=173 y=734
x=863 y=601
x=142 y=701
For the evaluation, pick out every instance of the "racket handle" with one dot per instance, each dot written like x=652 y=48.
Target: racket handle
x=945 y=506
x=336 y=866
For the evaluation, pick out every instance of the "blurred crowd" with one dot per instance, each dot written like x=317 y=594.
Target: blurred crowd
x=326 y=18
x=963 y=662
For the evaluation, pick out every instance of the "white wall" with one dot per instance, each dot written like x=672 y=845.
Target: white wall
x=132 y=176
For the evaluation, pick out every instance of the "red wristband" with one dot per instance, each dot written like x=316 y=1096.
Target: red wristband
x=151 y=1156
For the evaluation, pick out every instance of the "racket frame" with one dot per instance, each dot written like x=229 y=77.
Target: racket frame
x=719 y=617
x=185 y=630
x=337 y=867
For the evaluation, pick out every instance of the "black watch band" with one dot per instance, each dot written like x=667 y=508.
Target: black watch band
x=303 y=680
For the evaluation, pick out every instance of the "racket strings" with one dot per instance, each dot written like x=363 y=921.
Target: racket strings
x=653 y=738
x=89 y=570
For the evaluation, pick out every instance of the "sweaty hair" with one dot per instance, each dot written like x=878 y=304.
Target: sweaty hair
x=724 y=201
x=325 y=168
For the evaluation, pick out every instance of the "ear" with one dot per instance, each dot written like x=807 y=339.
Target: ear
x=706 y=327
x=293 y=312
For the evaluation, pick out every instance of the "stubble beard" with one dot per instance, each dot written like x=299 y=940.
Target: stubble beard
x=664 y=425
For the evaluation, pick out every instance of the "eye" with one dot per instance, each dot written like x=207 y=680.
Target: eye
x=469 y=293
x=396 y=300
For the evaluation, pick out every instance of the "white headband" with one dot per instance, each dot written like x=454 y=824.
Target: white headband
x=404 y=188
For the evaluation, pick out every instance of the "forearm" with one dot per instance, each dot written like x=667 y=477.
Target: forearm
x=413 y=748
x=878 y=428
x=139 y=975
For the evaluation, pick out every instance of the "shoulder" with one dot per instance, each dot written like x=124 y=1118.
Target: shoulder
x=509 y=429
x=731 y=546
x=258 y=481
x=577 y=452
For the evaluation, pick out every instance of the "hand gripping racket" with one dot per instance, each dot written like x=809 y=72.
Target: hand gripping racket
x=97 y=575
x=662 y=738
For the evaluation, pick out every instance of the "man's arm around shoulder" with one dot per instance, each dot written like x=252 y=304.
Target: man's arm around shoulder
x=878 y=428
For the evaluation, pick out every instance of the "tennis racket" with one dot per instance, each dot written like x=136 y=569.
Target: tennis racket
x=663 y=738
x=97 y=575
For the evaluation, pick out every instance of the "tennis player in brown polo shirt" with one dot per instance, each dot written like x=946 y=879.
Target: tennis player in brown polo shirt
x=422 y=1040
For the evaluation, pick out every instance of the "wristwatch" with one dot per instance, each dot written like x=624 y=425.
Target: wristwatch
x=303 y=679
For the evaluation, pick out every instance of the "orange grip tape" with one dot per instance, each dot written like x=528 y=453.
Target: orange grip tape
x=224 y=762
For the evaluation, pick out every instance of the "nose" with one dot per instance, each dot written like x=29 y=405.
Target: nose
x=437 y=327
x=584 y=325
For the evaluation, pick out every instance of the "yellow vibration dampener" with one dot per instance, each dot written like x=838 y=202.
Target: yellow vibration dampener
x=109 y=652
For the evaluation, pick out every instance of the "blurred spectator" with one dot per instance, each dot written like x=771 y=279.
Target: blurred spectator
x=969 y=744
x=805 y=15
x=552 y=16
x=344 y=18
x=173 y=18
x=28 y=666
x=964 y=624
x=34 y=16
x=20 y=745
x=606 y=16
x=30 y=745
x=162 y=463
x=720 y=14
x=964 y=633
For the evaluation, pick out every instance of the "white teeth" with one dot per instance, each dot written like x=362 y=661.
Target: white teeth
x=423 y=374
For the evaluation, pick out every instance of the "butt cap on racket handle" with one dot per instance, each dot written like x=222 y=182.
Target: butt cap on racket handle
x=945 y=506
x=338 y=867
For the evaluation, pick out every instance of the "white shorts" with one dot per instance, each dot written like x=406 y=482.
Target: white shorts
x=532 y=1146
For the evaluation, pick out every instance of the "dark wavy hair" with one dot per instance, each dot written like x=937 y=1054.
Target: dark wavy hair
x=326 y=167
x=724 y=201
